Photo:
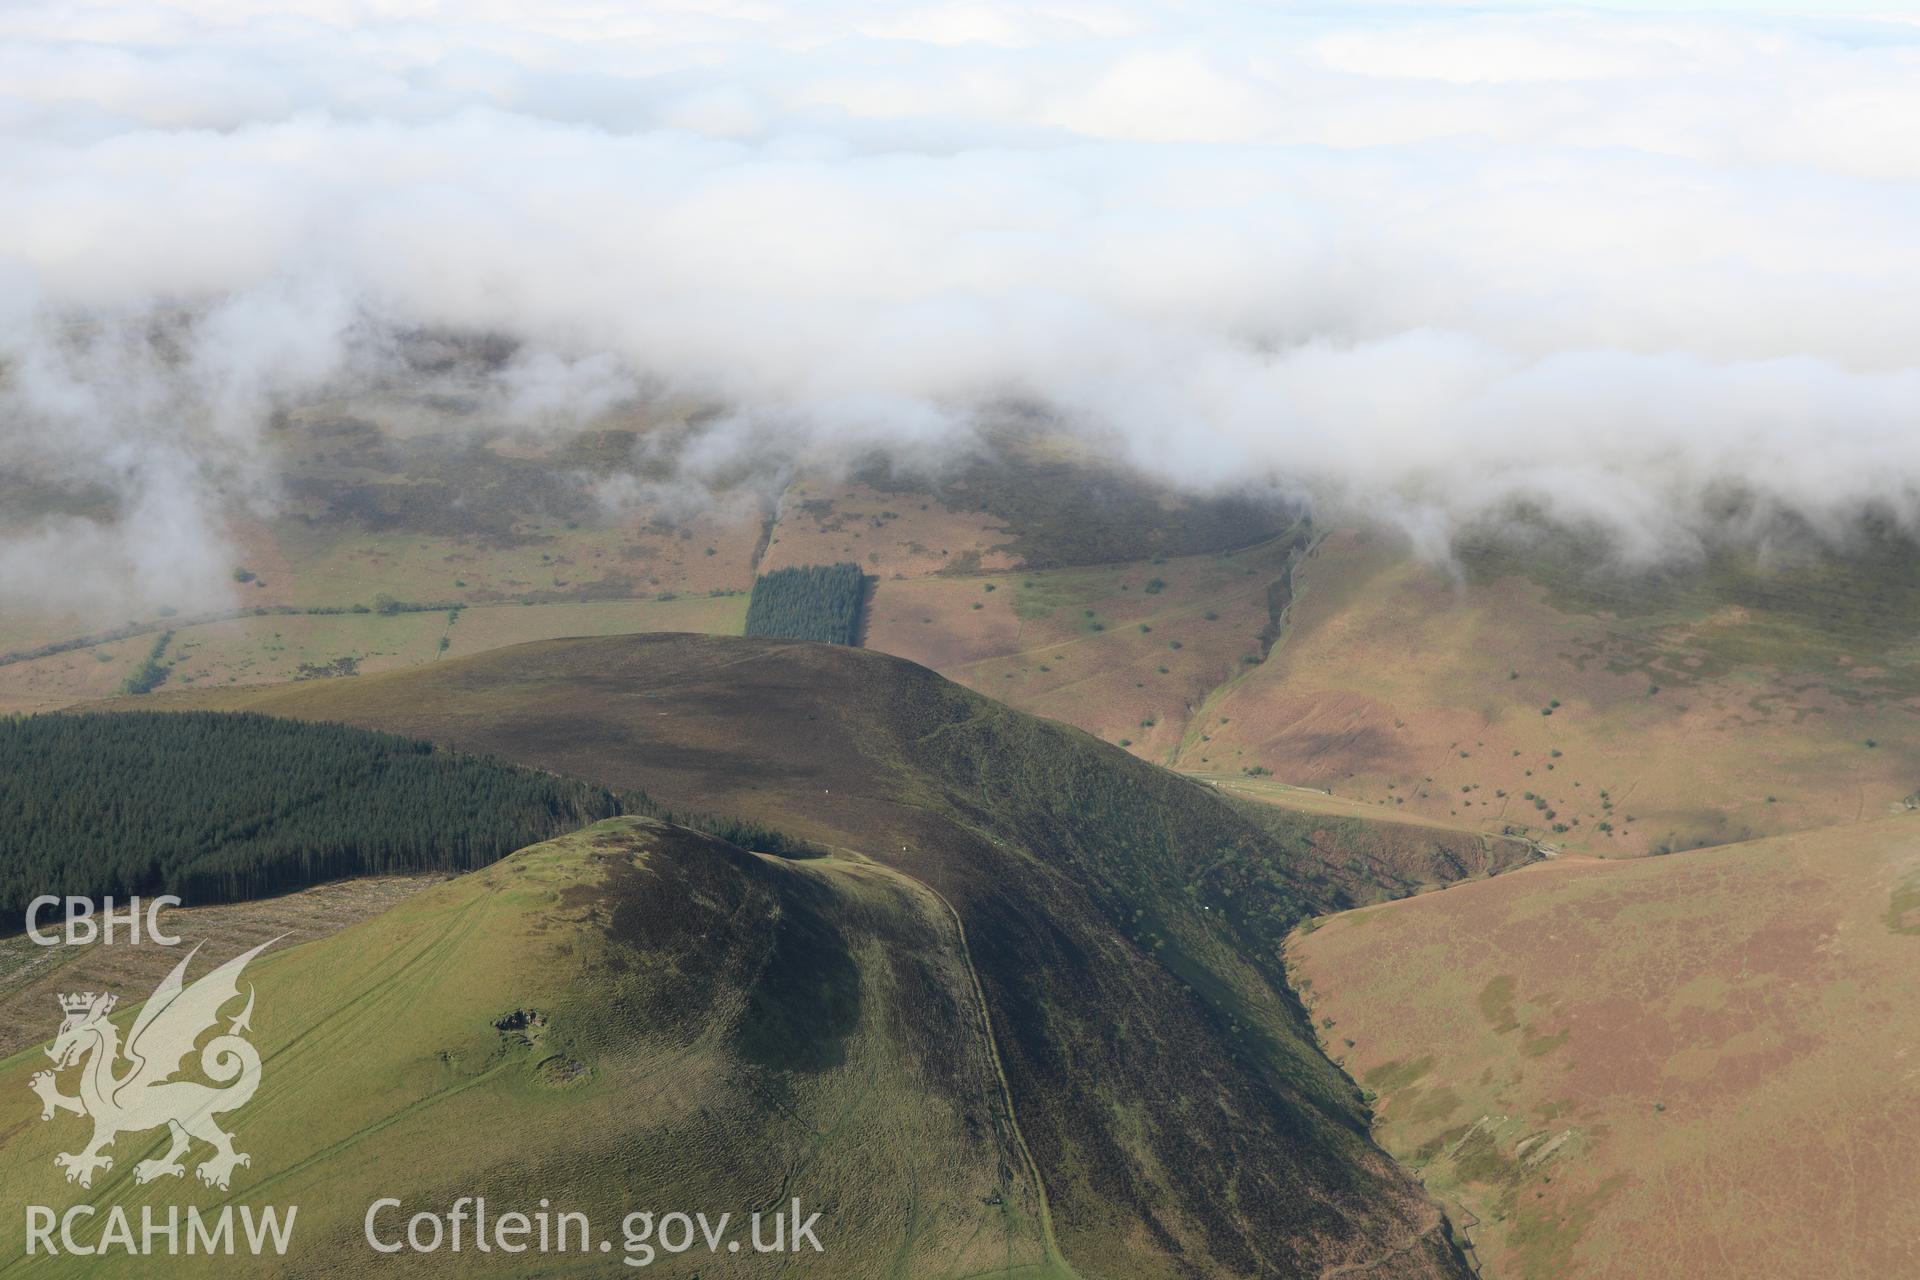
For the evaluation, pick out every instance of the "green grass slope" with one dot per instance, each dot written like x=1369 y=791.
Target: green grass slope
x=1126 y=923
x=633 y=1017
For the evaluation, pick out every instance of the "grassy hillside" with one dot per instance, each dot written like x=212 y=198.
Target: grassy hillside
x=1125 y=651
x=32 y=977
x=634 y=1017
x=1126 y=923
x=1683 y=1066
x=1600 y=711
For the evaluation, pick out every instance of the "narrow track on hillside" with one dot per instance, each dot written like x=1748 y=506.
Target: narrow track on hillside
x=1399 y=1251
x=1051 y=1242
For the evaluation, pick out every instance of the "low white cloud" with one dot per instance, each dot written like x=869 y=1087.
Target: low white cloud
x=1430 y=258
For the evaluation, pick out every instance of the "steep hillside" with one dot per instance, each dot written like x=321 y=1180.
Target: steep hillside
x=1694 y=1065
x=1126 y=923
x=1362 y=857
x=632 y=1018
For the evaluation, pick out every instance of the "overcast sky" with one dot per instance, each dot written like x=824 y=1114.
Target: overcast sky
x=1424 y=258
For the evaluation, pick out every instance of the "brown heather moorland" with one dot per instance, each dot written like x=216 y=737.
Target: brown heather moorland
x=1701 y=1065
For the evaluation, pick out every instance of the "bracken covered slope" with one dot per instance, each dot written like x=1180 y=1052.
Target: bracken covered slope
x=1700 y=1065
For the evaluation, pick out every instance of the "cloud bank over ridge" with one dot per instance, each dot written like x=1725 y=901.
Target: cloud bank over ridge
x=1431 y=258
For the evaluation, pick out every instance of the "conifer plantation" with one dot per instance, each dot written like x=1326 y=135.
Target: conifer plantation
x=812 y=602
x=217 y=806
